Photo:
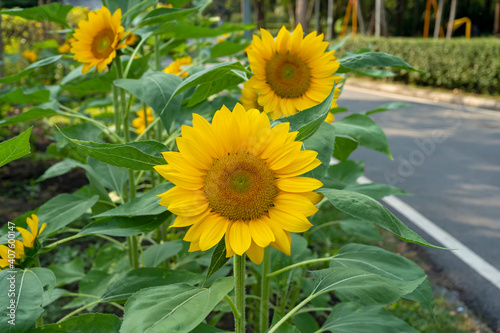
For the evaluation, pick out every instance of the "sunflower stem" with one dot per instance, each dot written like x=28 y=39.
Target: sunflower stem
x=264 y=291
x=116 y=106
x=148 y=137
x=159 y=129
x=239 y=292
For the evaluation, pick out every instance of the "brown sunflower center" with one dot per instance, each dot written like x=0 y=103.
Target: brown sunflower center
x=102 y=43
x=240 y=187
x=288 y=75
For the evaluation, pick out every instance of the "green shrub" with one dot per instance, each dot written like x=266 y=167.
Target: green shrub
x=470 y=65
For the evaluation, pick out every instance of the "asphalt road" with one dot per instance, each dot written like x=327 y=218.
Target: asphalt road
x=448 y=156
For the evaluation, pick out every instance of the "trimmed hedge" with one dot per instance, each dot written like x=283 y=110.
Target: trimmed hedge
x=470 y=65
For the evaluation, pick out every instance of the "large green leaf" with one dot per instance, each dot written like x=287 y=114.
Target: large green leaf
x=372 y=59
x=41 y=111
x=226 y=48
x=212 y=80
x=146 y=204
x=351 y=318
x=343 y=173
x=147 y=277
x=142 y=155
x=162 y=15
x=309 y=120
x=173 y=308
x=112 y=177
x=60 y=168
x=29 y=69
x=218 y=259
x=362 y=287
x=18 y=96
x=344 y=146
x=375 y=190
x=54 y=12
x=16 y=147
x=365 y=131
x=374 y=259
x=369 y=210
x=125 y=226
x=156 y=90
x=26 y=298
x=62 y=210
x=87 y=87
x=323 y=143
x=387 y=107
x=68 y=272
x=88 y=323
x=158 y=253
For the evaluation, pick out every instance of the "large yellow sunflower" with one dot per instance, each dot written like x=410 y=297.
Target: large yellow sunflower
x=239 y=178
x=97 y=39
x=292 y=73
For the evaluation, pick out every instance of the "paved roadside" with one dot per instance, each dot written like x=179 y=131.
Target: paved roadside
x=427 y=93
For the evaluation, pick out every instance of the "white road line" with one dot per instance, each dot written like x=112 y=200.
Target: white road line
x=468 y=256
x=422 y=100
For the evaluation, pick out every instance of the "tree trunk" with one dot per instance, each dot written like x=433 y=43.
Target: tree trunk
x=383 y=18
x=438 y=19
x=329 y=21
x=247 y=18
x=260 y=13
x=378 y=17
x=496 y=26
x=301 y=14
x=310 y=9
x=360 y=19
x=316 y=15
x=453 y=10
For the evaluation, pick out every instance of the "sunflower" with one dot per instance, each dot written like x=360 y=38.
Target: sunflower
x=292 y=73
x=237 y=179
x=97 y=39
x=29 y=238
x=64 y=48
x=249 y=97
x=131 y=39
x=175 y=67
x=29 y=55
x=139 y=123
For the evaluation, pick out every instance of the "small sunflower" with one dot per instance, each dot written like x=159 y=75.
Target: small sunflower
x=139 y=123
x=131 y=39
x=29 y=238
x=175 y=66
x=292 y=73
x=64 y=48
x=238 y=178
x=29 y=55
x=97 y=39
x=249 y=97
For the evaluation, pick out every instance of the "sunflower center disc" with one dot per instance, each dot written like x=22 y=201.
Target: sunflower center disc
x=101 y=45
x=240 y=187
x=288 y=75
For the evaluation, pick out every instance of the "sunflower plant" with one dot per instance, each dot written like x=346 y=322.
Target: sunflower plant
x=220 y=194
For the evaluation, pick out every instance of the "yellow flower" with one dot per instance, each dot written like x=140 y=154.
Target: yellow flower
x=249 y=97
x=31 y=56
x=293 y=72
x=331 y=116
x=238 y=178
x=131 y=39
x=162 y=5
x=97 y=39
x=175 y=67
x=223 y=38
x=29 y=238
x=64 y=48
x=139 y=123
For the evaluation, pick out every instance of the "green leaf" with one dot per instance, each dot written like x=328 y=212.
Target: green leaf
x=146 y=204
x=374 y=259
x=62 y=210
x=360 y=230
x=142 y=155
x=15 y=148
x=158 y=253
x=82 y=131
x=162 y=15
x=369 y=210
x=212 y=80
x=41 y=111
x=54 y=12
x=205 y=328
x=88 y=323
x=19 y=97
x=387 y=107
x=125 y=226
x=218 y=260
x=344 y=146
x=156 y=90
x=184 y=30
x=69 y=272
x=323 y=143
x=308 y=121
x=350 y=317
x=27 y=297
x=372 y=59
x=365 y=131
x=95 y=282
x=147 y=277
x=176 y=308
x=112 y=177
x=60 y=168
x=226 y=48
x=30 y=68
x=87 y=87
x=362 y=287
x=46 y=277
x=344 y=173
x=376 y=73
x=375 y=190
x=305 y=322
